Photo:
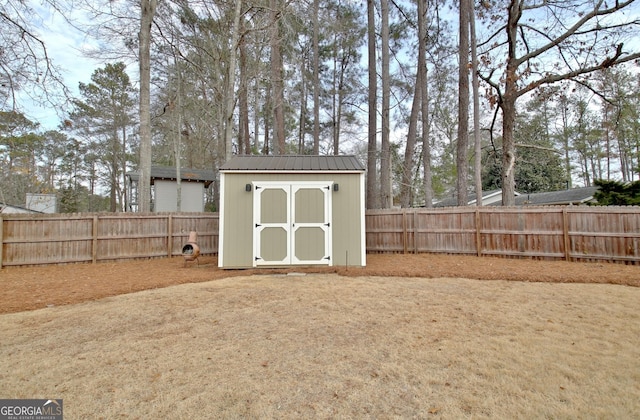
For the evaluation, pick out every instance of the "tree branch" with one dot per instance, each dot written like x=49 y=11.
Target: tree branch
x=608 y=62
x=574 y=29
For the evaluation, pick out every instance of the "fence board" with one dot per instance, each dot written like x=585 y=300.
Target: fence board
x=74 y=238
x=554 y=233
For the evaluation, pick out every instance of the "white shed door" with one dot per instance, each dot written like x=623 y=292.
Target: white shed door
x=292 y=223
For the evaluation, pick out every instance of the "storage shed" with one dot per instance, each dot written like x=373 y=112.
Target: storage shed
x=292 y=210
x=165 y=188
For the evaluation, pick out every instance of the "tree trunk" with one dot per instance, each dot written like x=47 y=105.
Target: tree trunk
x=256 y=116
x=302 y=118
x=372 y=143
x=243 y=102
x=123 y=163
x=418 y=106
x=231 y=83
x=386 y=198
x=406 y=188
x=178 y=136
x=424 y=104
x=316 y=79
x=565 y=142
x=508 y=106
x=463 y=106
x=334 y=100
x=148 y=9
x=476 y=106
x=277 y=81
x=337 y=121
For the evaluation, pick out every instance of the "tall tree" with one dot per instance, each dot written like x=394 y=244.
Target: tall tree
x=277 y=78
x=230 y=98
x=20 y=145
x=462 y=148
x=585 y=135
x=406 y=184
x=316 y=77
x=548 y=42
x=386 y=196
x=54 y=146
x=104 y=116
x=372 y=101
x=618 y=102
x=147 y=12
x=563 y=135
x=345 y=72
x=406 y=187
x=477 y=161
x=424 y=104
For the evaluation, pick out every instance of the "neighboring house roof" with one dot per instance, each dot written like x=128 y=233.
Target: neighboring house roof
x=292 y=163
x=573 y=196
x=492 y=197
x=8 y=208
x=165 y=173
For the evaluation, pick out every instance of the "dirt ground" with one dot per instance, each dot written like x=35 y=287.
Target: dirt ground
x=28 y=288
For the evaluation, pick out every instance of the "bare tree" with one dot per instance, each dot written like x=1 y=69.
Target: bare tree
x=548 y=42
x=25 y=64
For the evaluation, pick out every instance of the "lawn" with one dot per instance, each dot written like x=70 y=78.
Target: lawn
x=323 y=345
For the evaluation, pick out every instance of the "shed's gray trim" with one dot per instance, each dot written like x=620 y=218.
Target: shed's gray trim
x=293 y=163
x=169 y=174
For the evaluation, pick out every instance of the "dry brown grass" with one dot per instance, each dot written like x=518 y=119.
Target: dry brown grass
x=326 y=346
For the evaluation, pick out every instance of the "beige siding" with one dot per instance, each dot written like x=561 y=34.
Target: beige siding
x=347 y=222
x=236 y=213
x=237 y=209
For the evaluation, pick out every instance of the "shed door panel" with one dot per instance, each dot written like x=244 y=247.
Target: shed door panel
x=271 y=212
x=292 y=223
x=311 y=224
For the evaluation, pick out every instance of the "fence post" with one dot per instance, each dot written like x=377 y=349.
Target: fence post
x=1 y=241
x=404 y=231
x=415 y=231
x=170 y=236
x=478 y=234
x=565 y=234
x=94 y=243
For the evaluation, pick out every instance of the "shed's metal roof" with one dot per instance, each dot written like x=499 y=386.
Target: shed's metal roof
x=293 y=163
x=169 y=173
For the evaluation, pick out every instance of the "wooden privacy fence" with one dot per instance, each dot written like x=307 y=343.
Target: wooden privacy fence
x=72 y=238
x=573 y=233
x=554 y=233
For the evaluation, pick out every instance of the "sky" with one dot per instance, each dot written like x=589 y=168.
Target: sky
x=65 y=45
